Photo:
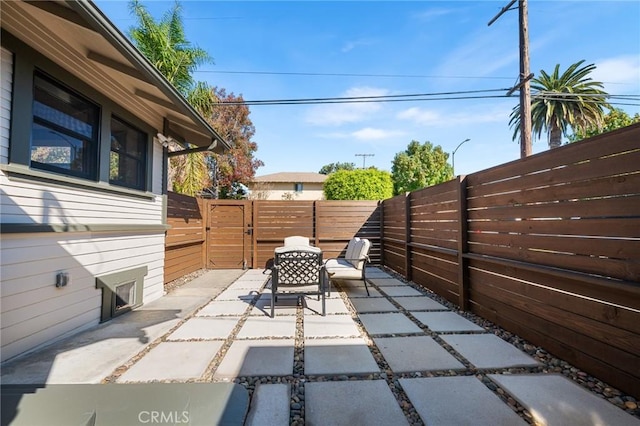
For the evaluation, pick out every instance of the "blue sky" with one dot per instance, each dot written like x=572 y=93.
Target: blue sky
x=372 y=48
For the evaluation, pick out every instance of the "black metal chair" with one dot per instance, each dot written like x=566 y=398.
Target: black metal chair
x=299 y=271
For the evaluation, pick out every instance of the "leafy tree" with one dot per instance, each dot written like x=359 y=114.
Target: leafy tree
x=615 y=119
x=334 y=167
x=236 y=168
x=418 y=166
x=369 y=184
x=165 y=45
x=572 y=99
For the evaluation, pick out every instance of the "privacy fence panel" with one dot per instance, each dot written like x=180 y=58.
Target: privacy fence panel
x=394 y=233
x=185 y=239
x=434 y=218
x=547 y=247
x=339 y=221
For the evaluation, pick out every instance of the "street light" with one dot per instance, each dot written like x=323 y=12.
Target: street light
x=453 y=155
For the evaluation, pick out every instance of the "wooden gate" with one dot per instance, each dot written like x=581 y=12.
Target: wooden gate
x=229 y=232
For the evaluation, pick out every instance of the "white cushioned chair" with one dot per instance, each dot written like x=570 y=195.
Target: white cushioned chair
x=352 y=266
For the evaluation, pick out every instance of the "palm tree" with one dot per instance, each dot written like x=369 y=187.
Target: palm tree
x=165 y=45
x=572 y=99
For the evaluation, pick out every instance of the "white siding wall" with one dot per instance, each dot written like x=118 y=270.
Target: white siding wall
x=6 y=83
x=33 y=312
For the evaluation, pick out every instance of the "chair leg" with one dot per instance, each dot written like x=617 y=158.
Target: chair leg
x=273 y=303
x=324 y=311
x=364 y=278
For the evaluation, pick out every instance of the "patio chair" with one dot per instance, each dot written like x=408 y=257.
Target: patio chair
x=299 y=271
x=296 y=240
x=352 y=266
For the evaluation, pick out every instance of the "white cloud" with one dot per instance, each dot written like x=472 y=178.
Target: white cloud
x=621 y=75
x=337 y=114
x=431 y=13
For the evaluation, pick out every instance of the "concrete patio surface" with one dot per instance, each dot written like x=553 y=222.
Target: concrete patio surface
x=395 y=357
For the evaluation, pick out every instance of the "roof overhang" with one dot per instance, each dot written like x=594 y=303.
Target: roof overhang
x=78 y=37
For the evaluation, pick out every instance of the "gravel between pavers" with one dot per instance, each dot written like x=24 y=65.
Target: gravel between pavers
x=297 y=380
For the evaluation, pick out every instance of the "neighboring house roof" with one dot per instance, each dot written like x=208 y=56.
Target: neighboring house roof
x=77 y=36
x=293 y=177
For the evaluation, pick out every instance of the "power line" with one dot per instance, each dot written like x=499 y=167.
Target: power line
x=337 y=74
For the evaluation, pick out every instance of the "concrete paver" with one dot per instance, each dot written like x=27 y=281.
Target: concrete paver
x=446 y=321
x=360 y=291
x=245 y=284
x=488 y=351
x=313 y=306
x=388 y=282
x=267 y=327
x=173 y=361
x=458 y=401
x=401 y=291
x=354 y=403
x=416 y=353
x=376 y=273
x=388 y=323
x=330 y=326
x=270 y=405
x=257 y=358
x=284 y=306
x=223 y=307
x=419 y=303
x=553 y=399
x=373 y=304
x=238 y=294
x=338 y=356
x=208 y=328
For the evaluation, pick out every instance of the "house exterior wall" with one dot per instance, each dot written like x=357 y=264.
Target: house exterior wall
x=310 y=191
x=52 y=225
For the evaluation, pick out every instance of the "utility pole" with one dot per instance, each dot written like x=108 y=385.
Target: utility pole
x=523 y=85
x=364 y=158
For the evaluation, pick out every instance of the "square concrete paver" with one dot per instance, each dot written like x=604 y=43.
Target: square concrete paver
x=488 y=351
x=416 y=353
x=387 y=282
x=205 y=328
x=330 y=326
x=223 y=307
x=377 y=273
x=257 y=358
x=270 y=405
x=373 y=304
x=173 y=361
x=404 y=290
x=419 y=303
x=284 y=306
x=338 y=356
x=390 y=323
x=553 y=399
x=264 y=327
x=353 y=403
x=313 y=306
x=446 y=321
x=238 y=294
x=361 y=292
x=457 y=401
x=245 y=284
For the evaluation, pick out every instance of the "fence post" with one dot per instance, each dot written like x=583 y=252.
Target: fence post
x=407 y=237
x=254 y=235
x=381 y=212
x=463 y=243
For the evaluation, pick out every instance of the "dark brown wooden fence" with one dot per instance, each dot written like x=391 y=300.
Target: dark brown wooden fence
x=328 y=224
x=185 y=240
x=548 y=247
